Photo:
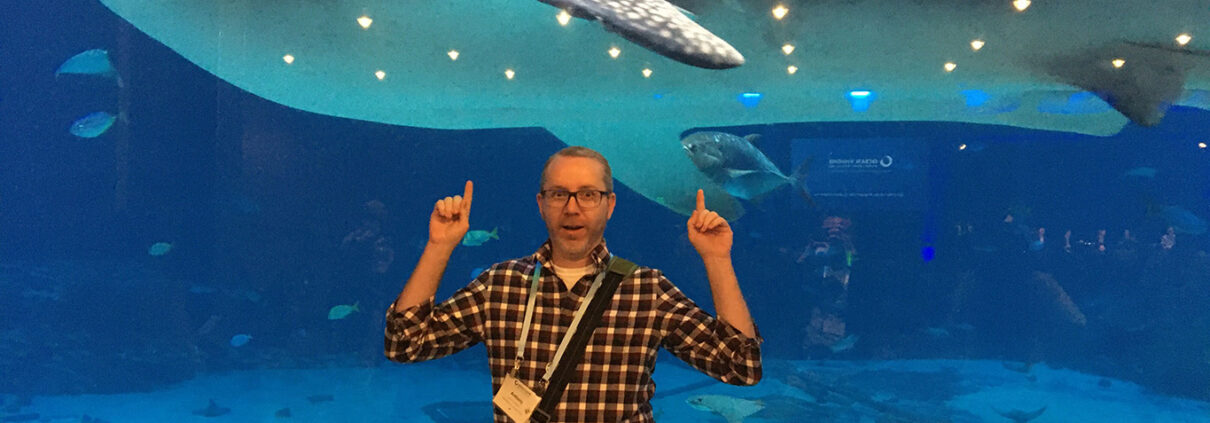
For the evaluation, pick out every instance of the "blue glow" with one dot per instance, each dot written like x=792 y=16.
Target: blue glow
x=976 y=98
x=1081 y=103
x=750 y=100
x=658 y=96
x=860 y=100
x=928 y=253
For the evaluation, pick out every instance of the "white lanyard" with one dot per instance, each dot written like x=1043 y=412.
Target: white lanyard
x=575 y=321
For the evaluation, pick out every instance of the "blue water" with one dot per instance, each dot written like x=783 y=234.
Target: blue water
x=257 y=199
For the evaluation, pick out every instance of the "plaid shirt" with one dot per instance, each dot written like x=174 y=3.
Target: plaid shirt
x=613 y=382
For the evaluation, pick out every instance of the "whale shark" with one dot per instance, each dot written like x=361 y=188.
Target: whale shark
x=607 y=81
x=660 y=27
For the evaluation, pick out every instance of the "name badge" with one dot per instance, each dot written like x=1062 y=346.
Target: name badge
x=516 y=399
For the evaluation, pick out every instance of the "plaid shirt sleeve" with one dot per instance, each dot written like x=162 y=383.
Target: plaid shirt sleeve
x=427 y=331
x=706 y=343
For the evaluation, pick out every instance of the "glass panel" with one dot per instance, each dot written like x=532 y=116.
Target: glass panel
x=935 y=211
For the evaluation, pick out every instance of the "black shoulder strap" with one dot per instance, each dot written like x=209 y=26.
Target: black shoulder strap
x=618 y=269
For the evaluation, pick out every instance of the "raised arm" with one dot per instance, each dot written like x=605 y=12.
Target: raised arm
x=711 y=235
x=447 y=225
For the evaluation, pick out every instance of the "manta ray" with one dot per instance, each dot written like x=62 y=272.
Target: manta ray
x=619 y=80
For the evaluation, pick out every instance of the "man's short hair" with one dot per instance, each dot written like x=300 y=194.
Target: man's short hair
x=579 y=151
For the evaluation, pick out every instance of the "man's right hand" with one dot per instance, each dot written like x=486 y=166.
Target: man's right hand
x=451 y=219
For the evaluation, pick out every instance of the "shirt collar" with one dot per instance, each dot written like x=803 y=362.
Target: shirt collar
x=599 y=255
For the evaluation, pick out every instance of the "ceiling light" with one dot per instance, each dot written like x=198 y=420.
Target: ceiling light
x=1118 y=63
x=614 y=52
x=563 y=17
x=787 y=48
x=1183 y=39
x=508 y=73
x=381 y=75
x=1021 y=5
x=791 y=69
x=453 y=54
x=646 y=72
x=365 y=22
x=289 y=59
x=976 y=45
x=780 y=12
x=950 y=66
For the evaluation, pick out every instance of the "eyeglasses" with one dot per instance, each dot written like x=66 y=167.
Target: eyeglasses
x=585 y=198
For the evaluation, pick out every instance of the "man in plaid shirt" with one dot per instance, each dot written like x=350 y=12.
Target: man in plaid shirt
x=613 y=381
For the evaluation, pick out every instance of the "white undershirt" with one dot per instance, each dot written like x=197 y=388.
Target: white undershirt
x=571 y=275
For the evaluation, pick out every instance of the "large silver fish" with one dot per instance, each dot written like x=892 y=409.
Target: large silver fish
x=738 y=166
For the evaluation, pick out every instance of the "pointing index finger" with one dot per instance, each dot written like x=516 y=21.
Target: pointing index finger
x=701 y=200
x=467 y=194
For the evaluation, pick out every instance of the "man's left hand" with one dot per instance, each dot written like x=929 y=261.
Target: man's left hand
x=709 y=233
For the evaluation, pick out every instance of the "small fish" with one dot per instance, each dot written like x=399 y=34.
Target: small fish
x=477 y=237
x=89 y=62
x=159 y=249
x=93 y=125
x=316 y=399
x=342 y=311
x=212 y=410
x=240 y=340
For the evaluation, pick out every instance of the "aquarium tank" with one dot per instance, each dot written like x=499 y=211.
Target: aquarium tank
x=937 y=211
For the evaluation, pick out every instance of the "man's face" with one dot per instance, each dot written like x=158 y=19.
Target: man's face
x=574 y=228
